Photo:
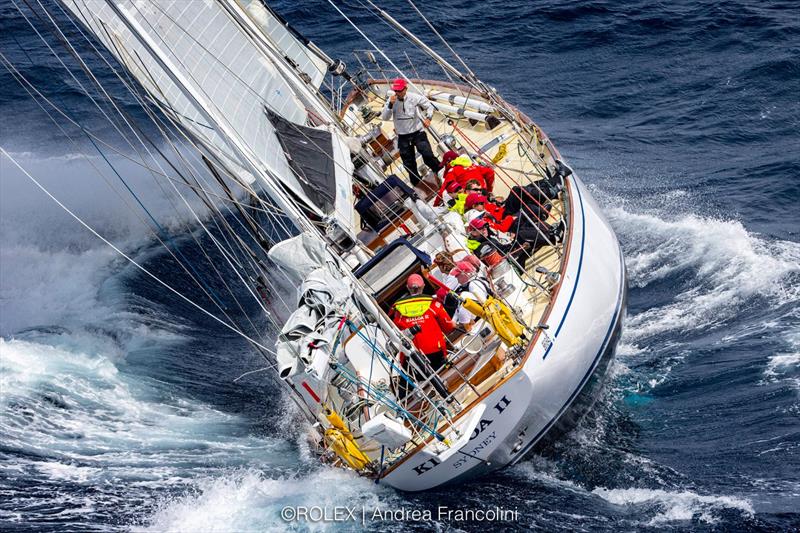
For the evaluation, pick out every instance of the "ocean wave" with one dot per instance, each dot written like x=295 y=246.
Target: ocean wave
x=248 y=500
x=716 y=269
x=73 y=421
x=670 y=506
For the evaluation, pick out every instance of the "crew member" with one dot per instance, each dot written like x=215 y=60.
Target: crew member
x=477 y=205
x=426 y=319
x=404 y=109
x=462 y=169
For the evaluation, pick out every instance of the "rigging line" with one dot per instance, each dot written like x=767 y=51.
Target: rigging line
x=61 y=37
x=124 y=115
x=375 y=11
x=372 y=43
x=221 y=249
x=105 y=178
x=133 y=261
x=501 y=105
x=272 y=367
x=469 y=71
x=244 y=20
x=343 y=216
x=24 y=81
x=231 y=138
x=181 y=131
x=160 y=228
x=297 y=212
x=17 y=75
x=35 y=93
x=91 y=75
x=85 y=90
x=209 y=204
x=23 y=50
x=263 y=101
x=133 y=130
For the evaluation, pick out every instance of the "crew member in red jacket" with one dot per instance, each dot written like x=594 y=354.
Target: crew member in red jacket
x=460 y=170
x=426 y=319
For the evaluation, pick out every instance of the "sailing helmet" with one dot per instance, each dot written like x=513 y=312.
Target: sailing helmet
x=415 y=281
x=399 y=84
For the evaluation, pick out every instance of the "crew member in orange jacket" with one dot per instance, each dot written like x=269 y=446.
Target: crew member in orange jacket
x=426 y=319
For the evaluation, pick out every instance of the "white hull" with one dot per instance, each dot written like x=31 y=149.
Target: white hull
x=567 y=359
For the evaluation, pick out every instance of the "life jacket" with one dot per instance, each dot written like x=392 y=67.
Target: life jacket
x=460 y=203
x=423 y=311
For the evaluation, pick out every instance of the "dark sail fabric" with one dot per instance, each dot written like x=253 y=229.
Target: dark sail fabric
x=310 y=155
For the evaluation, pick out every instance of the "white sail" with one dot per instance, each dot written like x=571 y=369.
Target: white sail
x=284 y=40
x=204 y=71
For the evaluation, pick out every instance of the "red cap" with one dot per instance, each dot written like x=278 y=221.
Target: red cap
x=447 y=157
x=399 y=84
x=415 y=280
x=453 y=187
x=477 y=223
x=466 y=267
x=463 y=272
x=473 y=199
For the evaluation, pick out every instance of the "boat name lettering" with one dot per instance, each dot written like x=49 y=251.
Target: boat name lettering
x=502 y=404
x=484 y=423
x=471 y=454
x=427 y=465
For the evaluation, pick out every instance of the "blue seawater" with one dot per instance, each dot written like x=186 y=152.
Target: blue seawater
x=118 y=408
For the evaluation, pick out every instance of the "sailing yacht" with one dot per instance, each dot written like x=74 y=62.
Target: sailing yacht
x=296 y=141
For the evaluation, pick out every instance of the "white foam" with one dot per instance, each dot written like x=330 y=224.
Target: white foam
x=39 y=287
x=670 y=506
x=780 y=364
x=728 y=266
x=53 y=267
x=250 y=501
x=76 y=408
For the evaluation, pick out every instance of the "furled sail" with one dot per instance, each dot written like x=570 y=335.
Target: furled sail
x=204 y=71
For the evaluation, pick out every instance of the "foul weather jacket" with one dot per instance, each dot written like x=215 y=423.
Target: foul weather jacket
x=430 y=316
x=404 y=113
x=461 y=175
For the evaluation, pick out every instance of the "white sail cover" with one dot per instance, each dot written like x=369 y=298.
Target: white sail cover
x=204 y=71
